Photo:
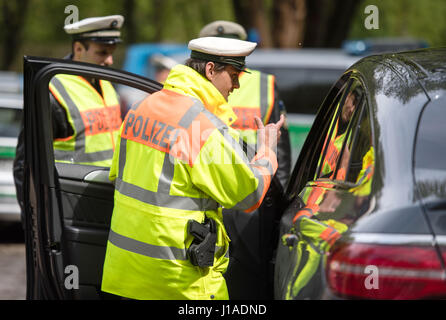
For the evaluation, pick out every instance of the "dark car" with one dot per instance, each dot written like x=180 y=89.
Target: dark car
x=367 y=193
x=367 y=198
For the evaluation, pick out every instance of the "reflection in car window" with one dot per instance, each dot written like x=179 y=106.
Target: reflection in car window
x=324 y=166
x=335 y=157
x=361 y=159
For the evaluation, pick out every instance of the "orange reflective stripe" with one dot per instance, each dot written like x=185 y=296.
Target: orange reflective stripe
x=64 y=139
x=314 y=195
x=305 y=212
x=332 y=155
x=330 y=235
x=270 y=99
x=326 y=233
x=314 y=207
x=335 y=236
x=341 y=174
x=266 y=175
x=264 y=153
x=56 y=94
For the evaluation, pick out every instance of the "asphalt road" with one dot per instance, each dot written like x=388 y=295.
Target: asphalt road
x=12 y=263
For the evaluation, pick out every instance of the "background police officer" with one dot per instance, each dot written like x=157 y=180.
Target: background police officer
x=93 y=41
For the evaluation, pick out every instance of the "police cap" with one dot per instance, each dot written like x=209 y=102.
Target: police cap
x=222 y=50
x=222 y=28
x=99 y=29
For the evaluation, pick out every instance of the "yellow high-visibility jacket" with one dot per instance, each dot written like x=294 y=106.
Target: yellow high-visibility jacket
x=177 y=159
x=95 y=120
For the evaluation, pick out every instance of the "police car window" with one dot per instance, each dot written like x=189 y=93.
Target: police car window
x=86 y=117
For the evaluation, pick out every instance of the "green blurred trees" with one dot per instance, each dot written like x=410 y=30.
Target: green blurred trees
x=12 y=20
x=404 y=18
x=35 y=27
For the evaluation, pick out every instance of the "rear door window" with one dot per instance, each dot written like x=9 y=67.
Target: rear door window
x=360 y=148
x=335 y=157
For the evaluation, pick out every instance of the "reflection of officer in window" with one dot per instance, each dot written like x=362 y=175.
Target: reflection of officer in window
x=338 y=137
x=83 y=108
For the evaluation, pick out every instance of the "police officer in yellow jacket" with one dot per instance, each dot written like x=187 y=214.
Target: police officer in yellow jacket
x=91 y=106
x=177 y=163
x=85 y=112
x=247 y=275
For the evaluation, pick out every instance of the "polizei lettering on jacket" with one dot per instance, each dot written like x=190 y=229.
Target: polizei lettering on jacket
x=165 y=135
x=148 y=131
x=101 y=120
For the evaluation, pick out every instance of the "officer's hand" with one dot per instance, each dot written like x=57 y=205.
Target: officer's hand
x=269 y=134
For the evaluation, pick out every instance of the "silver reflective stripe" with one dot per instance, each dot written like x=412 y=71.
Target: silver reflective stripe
x=74 y=111
x=266 y=164
x=219 y=252
x=366 y=172
x=254 y=197
x=191 y=114
x=149 y=250
x=122 y=155
x=162 y=199
x=79 y=154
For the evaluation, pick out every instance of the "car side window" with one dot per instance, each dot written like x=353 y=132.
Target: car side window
x=361 y=160
x=334 y=159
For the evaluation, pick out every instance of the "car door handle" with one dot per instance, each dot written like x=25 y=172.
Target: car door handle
x=98 y=176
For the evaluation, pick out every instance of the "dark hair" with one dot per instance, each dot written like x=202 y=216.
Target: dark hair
x=84 y=42
x=200 y=65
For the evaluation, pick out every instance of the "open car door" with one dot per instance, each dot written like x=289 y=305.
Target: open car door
x=68 y=207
